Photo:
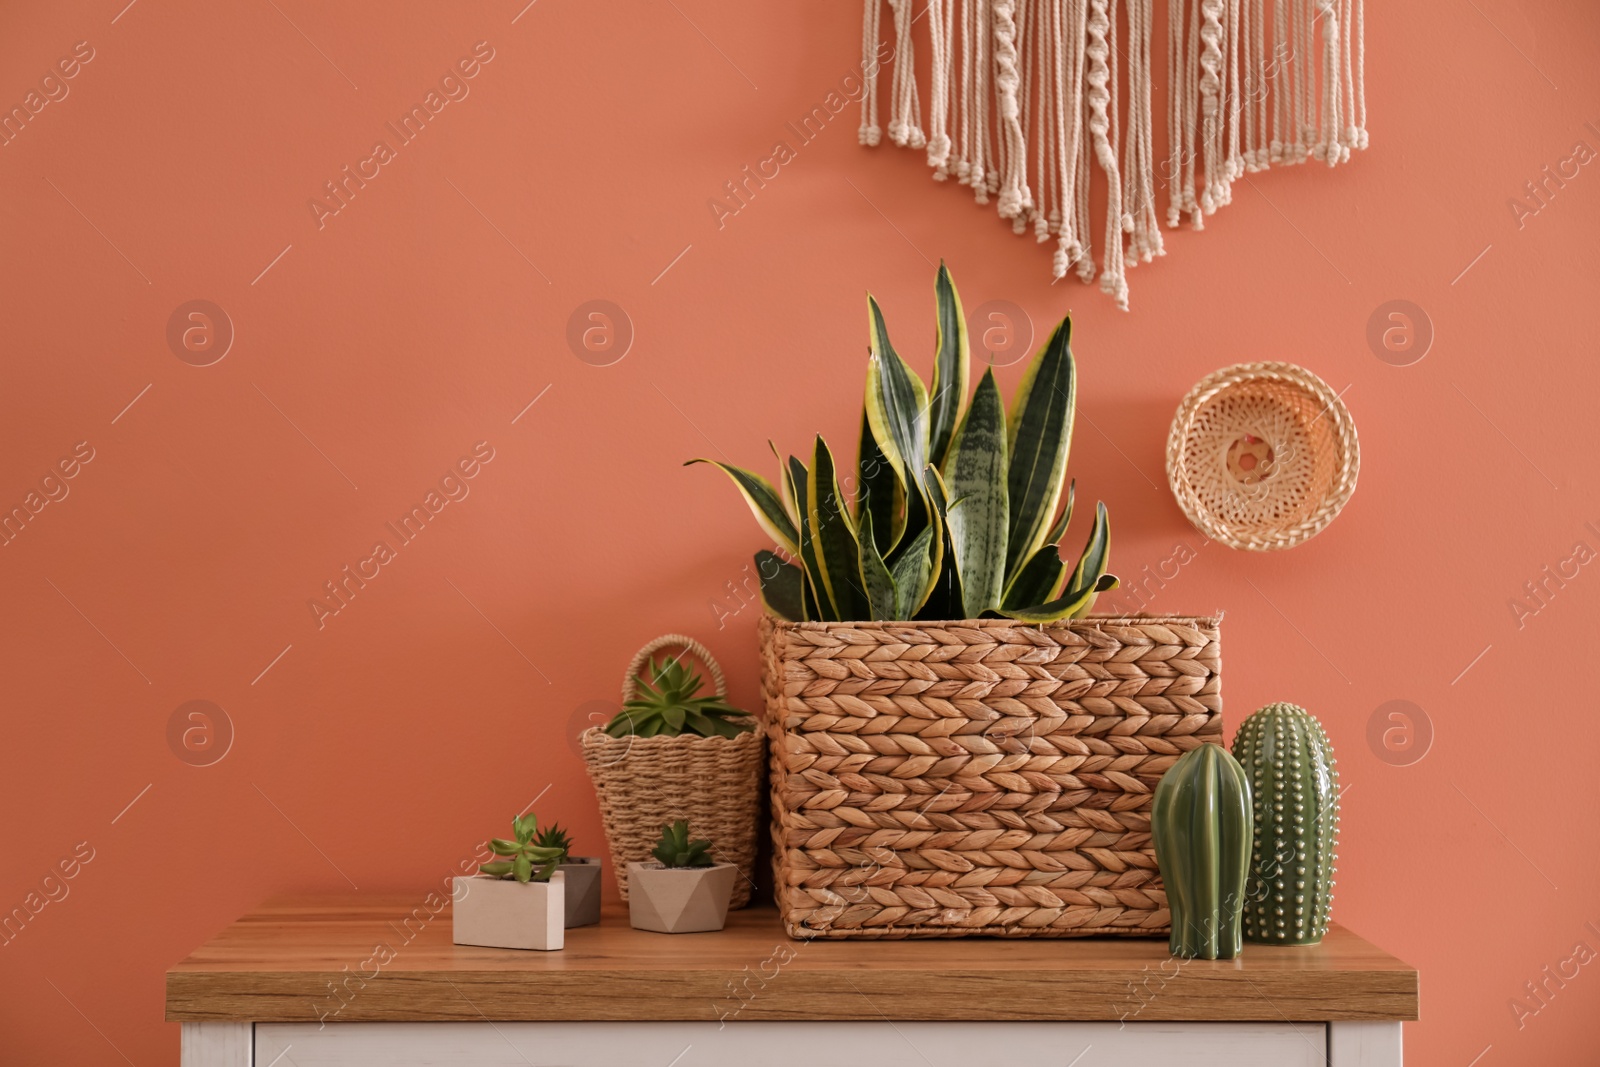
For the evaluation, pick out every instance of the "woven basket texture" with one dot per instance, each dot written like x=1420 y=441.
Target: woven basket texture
x=1262 y=456
x=646 y=782
x=948 y=779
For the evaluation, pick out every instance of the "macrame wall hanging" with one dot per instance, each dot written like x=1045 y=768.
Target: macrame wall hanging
x=1038 y=103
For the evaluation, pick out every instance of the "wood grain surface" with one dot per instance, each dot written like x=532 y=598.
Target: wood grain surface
x=365 y=958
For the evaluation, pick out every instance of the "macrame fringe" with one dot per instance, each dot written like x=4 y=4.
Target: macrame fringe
x=1038 y=103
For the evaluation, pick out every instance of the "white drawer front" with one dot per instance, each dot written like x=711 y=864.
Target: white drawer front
x=769 y=1044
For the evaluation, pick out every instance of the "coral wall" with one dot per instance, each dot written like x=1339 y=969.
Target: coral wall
x=191 y=486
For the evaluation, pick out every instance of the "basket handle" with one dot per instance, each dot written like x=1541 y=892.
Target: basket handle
x=630 y=682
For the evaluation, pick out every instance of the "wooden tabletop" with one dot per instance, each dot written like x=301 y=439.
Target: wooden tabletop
x=373 y=958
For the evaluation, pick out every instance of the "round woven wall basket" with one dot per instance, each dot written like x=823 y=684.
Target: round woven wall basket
x=1262 y=456
x=646 y=782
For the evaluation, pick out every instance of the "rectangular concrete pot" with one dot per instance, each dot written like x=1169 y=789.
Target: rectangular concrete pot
x=505 y=913
x=680 y=900
x=583 y=890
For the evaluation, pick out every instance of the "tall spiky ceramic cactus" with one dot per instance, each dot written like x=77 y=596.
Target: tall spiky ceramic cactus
x=1296 y=786
x=1200 y=821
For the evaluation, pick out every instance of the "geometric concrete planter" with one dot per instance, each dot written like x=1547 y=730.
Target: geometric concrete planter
x=506 y=913
x=679 y=900
x=583 y=890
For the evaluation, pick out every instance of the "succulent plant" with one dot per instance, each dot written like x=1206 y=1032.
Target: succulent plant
x=954 y=513
x=676 y=850
x=667 y=705
x=528 y=860
x=553 y=836
x=1288 y=759
x=1200 y=821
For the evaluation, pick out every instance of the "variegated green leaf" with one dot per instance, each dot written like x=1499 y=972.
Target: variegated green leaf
x=912 y=575
x=1085 y=582
x=1040 y=436
x=1096 y=556
x=879 y=491
x=897 y=403
x=941 y=599
x=764 y=503
x=797 y=481
x=950 y=368
x=1038 y=580
x=1107 y=581
x=975 y=471
x=1059 y=530
x=1053 y=611
x=833 y=539
x=782 y=587
x=882 y=599
x=1043 y=576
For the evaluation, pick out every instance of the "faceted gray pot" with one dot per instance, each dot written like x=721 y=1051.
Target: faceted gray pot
x=679 y=900
x=583 y=890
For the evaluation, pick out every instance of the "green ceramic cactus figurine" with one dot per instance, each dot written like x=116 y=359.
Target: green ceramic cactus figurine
x=1201 y=825
x=1287 y=757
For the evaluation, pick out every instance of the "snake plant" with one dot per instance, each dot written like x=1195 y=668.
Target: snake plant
x=958 y=506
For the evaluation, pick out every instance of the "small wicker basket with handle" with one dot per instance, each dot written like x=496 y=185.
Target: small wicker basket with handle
x=646 y=782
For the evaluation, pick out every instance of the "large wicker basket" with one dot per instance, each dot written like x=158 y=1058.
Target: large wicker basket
x=946 y=779
x=646 y=782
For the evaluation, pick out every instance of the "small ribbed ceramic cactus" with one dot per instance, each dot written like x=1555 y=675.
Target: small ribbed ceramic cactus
x=1200 y=822
x=1290 y=765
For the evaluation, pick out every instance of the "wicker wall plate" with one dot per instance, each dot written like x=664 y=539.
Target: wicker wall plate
x=945 y=779
x=1262 y=456
x=645 y=782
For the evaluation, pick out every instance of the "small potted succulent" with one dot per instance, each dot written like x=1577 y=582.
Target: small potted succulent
x=515 y=902
x=683 y=891
x=583 y=877
x=677 y=752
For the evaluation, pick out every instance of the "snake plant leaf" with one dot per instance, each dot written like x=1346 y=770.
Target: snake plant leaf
x=782 y=586
x=1039 y=580
x=897 y=403
x=1063 y=607
x=913 y=575
x=1059 y=530
x=1107 y=581
x=818 y=606
x=882 y=596
x=764 y=503
x=941 y=599
x=813 y=608
x=1084 y=584
x=1040 y=434
x=879 y=491
x=975 y=470
x=833 y=539
x=950 y=367
x=1096 y=555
